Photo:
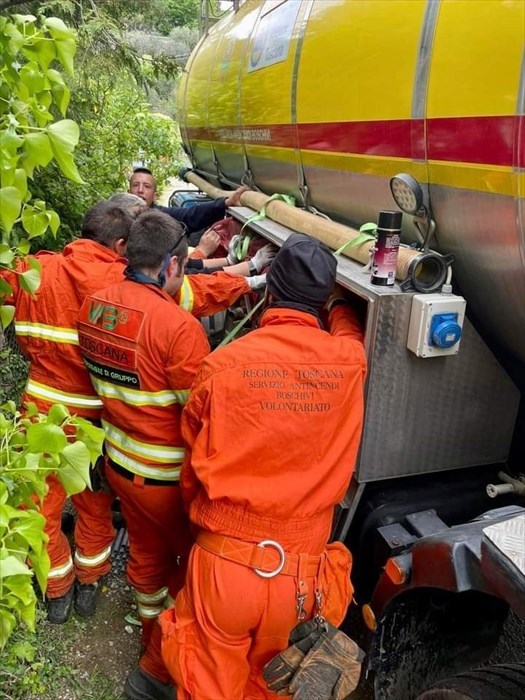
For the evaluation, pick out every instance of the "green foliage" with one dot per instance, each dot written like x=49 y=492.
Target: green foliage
x=33 y=665
x=160 y=15
x=13 y=368
x=118 y=129
x=33 y=446
x=32 y=94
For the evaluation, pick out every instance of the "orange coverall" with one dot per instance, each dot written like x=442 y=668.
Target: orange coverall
x=143 y=351
x=45 y=326
x=273 y=425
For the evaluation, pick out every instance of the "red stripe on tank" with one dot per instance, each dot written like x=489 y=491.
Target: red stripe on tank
x=483 y=140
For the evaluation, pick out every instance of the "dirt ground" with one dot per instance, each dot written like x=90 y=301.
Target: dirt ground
x=99 y=651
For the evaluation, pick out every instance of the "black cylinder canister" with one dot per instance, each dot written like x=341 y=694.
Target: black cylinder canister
x=384 y=261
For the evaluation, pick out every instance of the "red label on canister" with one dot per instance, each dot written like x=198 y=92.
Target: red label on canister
x=384 y=262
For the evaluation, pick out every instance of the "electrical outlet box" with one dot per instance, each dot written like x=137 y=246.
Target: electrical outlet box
x=436 y=323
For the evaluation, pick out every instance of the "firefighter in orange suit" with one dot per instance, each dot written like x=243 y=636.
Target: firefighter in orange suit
x=272 y=425
x=142 y=350
x=45 y=326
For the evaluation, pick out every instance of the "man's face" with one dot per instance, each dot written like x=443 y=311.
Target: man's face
x=143 y=185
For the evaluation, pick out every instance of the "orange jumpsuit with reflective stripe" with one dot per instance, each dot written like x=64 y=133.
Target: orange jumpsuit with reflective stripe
x=143 y=351
x=273 y=425
x=45 y=326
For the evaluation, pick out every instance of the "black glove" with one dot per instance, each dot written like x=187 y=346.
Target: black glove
x=97 y=476
x=330 y=670
x=279 y=671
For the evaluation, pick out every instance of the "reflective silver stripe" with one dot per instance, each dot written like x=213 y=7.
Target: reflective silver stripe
x=141 y=469
x=169 y=603
x=93 y=561
x=49 y=393
x=133 y=397
x=149 y=612
x=186 y=296
x=60 y=571
x=148 y=598
x=55 y=334
x=165 y=454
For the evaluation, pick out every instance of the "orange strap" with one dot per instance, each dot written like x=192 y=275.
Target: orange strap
x=266 y=558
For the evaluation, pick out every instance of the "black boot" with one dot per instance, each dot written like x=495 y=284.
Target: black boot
x=58 y=609
x=86 y=597
x=140 y=685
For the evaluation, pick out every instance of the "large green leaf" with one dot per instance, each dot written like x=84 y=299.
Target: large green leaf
x=46 y=437
x=58 y=29
x=61 y=95
x=42 y=51
x=54 y=221
x=74 y=473
x=6 y=254
x=11 y=202
x=32 y=531
x=28 y=612
x=66 y=49
x=11 y=566
x=10 y=140
x=7 y=313
x=41 y=566
x=57 y=414
x=20 y=181
x=32 y=77
x=37 y=145
x=29 y=281
x=63 y=136
x=7 y=625
x=34 y=222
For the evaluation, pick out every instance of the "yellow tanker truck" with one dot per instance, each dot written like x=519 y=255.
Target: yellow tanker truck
x=358 y=106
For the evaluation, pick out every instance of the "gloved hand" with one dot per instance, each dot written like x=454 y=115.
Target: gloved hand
x=264 y=256
x=232 y=255
x=279 y=671
x=331 y=669
x=257 y=282
x=97 y=475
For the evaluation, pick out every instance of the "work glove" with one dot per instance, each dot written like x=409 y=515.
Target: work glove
x=232 y=245
x=264 y=256
x=331 y=669
x=97 y=476
x=256 y=282
x=279 y=671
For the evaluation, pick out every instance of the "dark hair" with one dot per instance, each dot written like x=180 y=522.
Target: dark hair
x=105 y=223
x=153 y=235
x=146 y=171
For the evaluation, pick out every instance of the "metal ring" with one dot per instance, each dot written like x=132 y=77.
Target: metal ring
x=280 y=565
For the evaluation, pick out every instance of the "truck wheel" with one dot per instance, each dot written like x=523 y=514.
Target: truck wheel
x=501 y=682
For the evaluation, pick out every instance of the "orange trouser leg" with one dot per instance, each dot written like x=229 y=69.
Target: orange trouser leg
x=226 y=624
x=94 y=534
x=61 y=575
x=159 y=541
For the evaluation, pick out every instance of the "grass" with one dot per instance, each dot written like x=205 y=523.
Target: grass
x=36 y=666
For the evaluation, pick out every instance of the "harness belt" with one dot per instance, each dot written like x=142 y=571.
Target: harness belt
x=149 y=481
x=267 y=559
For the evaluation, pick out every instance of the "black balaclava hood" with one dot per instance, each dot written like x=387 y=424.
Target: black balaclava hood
x=302 y=274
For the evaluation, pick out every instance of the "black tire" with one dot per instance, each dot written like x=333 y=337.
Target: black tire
x=501 y=682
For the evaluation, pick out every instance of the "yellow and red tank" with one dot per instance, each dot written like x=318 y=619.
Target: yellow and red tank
x=328 y=99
